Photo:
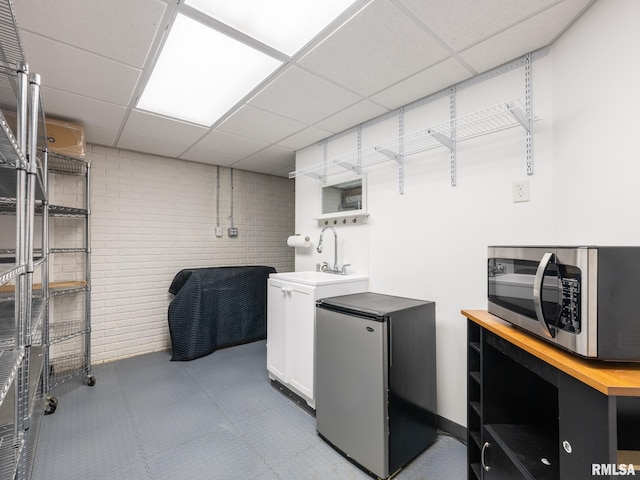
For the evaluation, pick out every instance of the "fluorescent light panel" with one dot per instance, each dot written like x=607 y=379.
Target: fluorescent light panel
x=286 y=25
x=201 y=73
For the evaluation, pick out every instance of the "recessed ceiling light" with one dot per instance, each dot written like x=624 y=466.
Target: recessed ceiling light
x=286 y=25
x=201 y=73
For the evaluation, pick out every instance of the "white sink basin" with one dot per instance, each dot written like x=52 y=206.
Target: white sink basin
x=317 y=278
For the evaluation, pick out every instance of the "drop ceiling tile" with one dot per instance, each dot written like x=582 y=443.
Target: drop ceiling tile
x=302 y=96
x=534 y=33
x=352 y=116
x=153 y=126
x=118 y=29
x=150 y=145
x=431 y=80
x=76 y=71
x=260 y=125
x=100 y=136
x=275 y=154
x=272 y=161
x=238 y=147
x=304 y=138
x=462 y=23
x=211 y=157
x=83 y=110
x=378 y=47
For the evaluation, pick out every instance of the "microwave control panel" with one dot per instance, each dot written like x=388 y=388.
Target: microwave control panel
x=569 y=320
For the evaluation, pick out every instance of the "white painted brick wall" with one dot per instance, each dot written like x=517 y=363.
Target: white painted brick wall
x=152 y=217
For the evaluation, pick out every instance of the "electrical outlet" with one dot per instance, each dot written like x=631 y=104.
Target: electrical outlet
x=218 y=231
x=521 y=191
x=232 y=232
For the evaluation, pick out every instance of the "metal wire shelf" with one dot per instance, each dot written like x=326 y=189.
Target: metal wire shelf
x=61 y=331
x=68 y=250
x=65 y=288
x=8 y=207
x=66 y=367
x=502 y=116
x=59 y=163
x=9 y=271
x=10 y=448
x=9 y=363
x=60 y=211
x=7 y=320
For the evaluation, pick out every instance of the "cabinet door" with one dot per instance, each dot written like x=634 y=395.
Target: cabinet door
x=276 y=329
x=301 y=314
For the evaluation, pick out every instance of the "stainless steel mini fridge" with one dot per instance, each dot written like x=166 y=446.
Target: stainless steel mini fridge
x=375 y=371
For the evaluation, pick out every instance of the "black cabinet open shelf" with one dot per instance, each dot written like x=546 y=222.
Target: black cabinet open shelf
x=535 y=412
x=533 y=449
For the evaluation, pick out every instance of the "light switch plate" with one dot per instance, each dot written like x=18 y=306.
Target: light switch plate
x=218 y=231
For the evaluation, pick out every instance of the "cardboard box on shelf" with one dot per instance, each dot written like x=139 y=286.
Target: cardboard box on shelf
x=63 y=136
x=66 y=138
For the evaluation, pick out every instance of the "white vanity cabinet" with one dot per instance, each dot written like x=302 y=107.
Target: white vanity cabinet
x=291 y=312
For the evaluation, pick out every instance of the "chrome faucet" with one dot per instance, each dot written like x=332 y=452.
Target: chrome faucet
x=324 y=267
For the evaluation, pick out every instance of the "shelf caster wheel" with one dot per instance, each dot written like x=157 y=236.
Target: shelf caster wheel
x=91 y=380
x=51 y=405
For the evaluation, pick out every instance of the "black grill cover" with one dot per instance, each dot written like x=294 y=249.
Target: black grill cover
x=217 y=307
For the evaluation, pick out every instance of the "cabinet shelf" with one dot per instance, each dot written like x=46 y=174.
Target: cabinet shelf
x=533 y=449
x=475 y=406
x=477 y=470
x=476 y=376
x=476 y=438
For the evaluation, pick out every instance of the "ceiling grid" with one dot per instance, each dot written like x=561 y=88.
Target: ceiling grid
x=96 y=57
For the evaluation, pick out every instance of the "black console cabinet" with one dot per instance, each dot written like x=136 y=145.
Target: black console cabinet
x=537 y=412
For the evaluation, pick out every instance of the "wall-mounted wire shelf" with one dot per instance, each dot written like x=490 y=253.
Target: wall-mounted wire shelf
x=505 y=115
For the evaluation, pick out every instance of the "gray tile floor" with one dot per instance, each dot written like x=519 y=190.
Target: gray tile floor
x=216 y=417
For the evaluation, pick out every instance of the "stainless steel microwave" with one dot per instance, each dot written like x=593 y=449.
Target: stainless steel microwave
x=583 y=299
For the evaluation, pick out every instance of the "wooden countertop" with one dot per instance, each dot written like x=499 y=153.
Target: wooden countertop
x=610 y=378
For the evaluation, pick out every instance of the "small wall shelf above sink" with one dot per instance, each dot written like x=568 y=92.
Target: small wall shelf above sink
x=355 y=217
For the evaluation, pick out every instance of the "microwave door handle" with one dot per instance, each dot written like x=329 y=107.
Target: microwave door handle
x=537 y=293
